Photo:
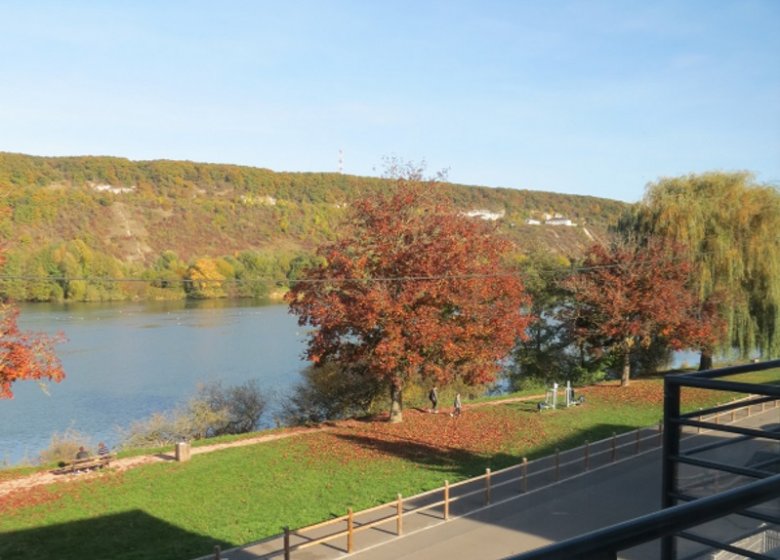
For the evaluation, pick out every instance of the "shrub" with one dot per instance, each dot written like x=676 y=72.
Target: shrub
x=161 y=428
x=330 y=392
x=235 y=410
x=63 y=447
x=213 y=411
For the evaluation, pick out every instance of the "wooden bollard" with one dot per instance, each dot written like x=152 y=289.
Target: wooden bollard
x=487 y=486
x=217 y=552
x=525 y=475
x=350 y=528
x=399 y=524
x=557 y=465
x=286 y=543
x=587 y=455
x=614 y=447
x=733 y=414
x=446 y=500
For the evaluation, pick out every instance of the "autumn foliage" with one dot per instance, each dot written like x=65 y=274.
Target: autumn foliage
x=629 y=295
x=24 y=355
x=413 y=292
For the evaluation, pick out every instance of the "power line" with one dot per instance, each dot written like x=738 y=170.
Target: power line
x=277 y=280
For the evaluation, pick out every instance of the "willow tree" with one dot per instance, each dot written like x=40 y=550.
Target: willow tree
x=413 y=292
x=732 y=225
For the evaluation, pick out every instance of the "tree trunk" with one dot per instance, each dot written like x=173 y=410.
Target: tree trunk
x=396 y=404
x=705 y=360
x=626 y=377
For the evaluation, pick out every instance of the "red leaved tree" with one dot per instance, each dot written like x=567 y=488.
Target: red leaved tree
x=630 y=294
x=414 y=291
x=24 y=355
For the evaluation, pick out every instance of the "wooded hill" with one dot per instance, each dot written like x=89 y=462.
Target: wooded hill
x=69 y=224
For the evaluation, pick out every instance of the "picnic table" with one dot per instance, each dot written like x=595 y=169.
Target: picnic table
x=87 y=464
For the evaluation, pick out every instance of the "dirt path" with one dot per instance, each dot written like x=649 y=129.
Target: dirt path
x=46 y=477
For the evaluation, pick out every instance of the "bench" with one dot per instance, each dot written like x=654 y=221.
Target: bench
x=88 y=464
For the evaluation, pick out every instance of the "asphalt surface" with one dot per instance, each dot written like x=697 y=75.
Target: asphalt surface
x=595 y=490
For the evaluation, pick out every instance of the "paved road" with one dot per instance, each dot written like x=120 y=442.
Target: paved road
x=569 y=508
x=608 y=493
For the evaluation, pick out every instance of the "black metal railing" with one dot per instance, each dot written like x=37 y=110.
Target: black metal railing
x=754 y=484
x=604 y=544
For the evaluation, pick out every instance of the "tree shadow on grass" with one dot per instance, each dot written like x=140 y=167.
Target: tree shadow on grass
x=434 y=458
x=131 y=535
x=464 y=463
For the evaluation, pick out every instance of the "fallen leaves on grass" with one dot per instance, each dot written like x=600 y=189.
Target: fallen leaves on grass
x=423 y=436
x=31 y=497
x=52 y=493
x=643 y=392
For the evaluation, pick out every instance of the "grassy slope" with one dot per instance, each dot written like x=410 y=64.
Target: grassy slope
x=180 y=510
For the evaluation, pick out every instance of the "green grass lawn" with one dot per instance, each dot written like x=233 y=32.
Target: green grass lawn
x=231 y=497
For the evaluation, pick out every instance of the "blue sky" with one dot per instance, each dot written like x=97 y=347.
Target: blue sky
x=585 y=97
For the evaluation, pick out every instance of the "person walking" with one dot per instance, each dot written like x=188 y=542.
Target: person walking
x=457 y=407
x=434 y=398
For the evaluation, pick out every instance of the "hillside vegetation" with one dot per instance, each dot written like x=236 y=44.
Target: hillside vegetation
x=70 y=225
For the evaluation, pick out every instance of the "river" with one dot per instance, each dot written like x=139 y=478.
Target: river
x=125 y=361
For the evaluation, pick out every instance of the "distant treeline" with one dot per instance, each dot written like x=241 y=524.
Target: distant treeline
x=69 y=225
x=71 y=271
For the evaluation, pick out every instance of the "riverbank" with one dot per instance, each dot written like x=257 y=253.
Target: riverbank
x=41 y=477
x=241 y=492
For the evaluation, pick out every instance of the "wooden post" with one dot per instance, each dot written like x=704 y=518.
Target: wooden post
x=717 y=418
x=525 y=475
x=399 y=524
x=614 y=448
x=350 y=527
x=487 y=486
x=557 y=465
x=587 y=455
x=286 y=543
x=762 y=405
x=637 y=441
x=446 y=500
x=732 y=414
x=217 y=552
